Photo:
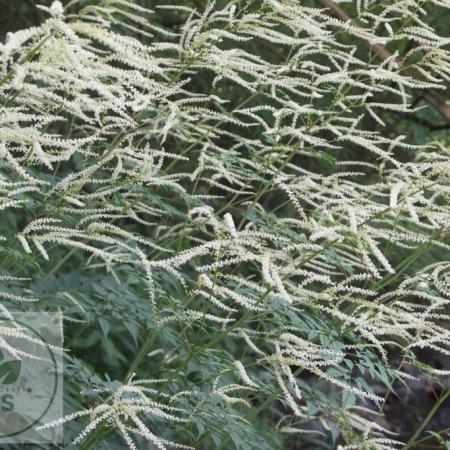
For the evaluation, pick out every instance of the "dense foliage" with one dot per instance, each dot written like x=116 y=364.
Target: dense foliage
x=242 y=209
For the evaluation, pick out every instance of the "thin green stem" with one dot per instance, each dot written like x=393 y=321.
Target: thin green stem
x=412 y=441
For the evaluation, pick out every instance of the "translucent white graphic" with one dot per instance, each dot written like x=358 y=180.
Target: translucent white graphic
x=31 y=379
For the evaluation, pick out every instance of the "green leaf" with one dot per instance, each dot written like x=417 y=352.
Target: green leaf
x=133 y=329
x=334 y=434
x=10 y=371
x=105 y=326
x=348 y=398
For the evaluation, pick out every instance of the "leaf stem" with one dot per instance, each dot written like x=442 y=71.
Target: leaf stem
x=445 y=394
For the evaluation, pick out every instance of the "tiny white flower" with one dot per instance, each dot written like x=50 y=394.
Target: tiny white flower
x=56 y=9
